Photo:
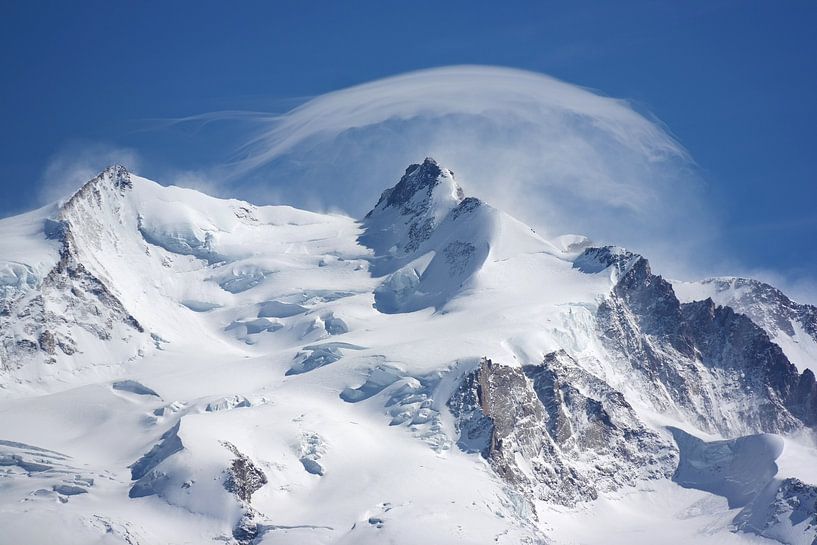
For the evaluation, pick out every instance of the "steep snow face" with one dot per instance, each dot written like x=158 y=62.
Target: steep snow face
x=790 y=325
x=743 y=470
x=443 y=263
x=738 y=469
x=179 y=368
x=68 y=317
x=27 y=255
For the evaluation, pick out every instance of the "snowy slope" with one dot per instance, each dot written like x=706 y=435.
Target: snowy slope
x=182 y=369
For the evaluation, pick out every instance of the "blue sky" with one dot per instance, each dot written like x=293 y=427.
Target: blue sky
x=734 y=82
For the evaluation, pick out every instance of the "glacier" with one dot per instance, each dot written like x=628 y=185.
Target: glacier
x=177 y=368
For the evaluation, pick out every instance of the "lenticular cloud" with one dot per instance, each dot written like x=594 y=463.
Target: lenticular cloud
x=560 y=157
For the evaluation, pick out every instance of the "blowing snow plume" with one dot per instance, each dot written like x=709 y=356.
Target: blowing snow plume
x=558 y=156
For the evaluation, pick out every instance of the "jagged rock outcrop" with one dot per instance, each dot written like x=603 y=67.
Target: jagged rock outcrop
x=595 y=426
x=766 y=305
x=791 y=325
x=242 y=479
x=520 y=449
x=704 y=361
x=555 y=432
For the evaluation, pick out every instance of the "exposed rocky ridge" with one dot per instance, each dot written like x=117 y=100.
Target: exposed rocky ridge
x=766 y=305
x=596 y=259
x=420 y=199
x=114 y=177
x=555 y=432
x=593 y=424
x=499 y=402
x=702 y=360
x=406 y=215
x=43 y=322
x=791 y=325
x=87 y=221
x=418 y=177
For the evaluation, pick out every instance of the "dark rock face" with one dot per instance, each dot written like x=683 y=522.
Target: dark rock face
x=707 y=362
x=115 y=176
x=519 y=431
x=594 y=260
x=475 y=427
x=422 y=177
x=247 y=530
x=766 y=305
x=458 y=256
x=468 y=204
x=243 y=477
x=555 y=432
x=69 y=297
x=120 y=177
x=419 y=179
x=594 y=424
x=732 y=342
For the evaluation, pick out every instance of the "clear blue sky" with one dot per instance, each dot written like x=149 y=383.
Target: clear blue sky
x=735 y=81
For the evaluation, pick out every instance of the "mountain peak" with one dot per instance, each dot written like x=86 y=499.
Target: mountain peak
x=418 y=185
x=407 y=213
x=114 y=177
x=118 y=175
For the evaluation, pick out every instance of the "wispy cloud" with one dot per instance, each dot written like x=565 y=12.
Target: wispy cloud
x=560 y=157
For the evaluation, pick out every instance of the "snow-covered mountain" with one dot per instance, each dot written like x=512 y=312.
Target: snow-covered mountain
x=176 y=368
x=790 y=325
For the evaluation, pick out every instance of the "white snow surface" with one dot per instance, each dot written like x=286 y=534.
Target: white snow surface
x=262 y=330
